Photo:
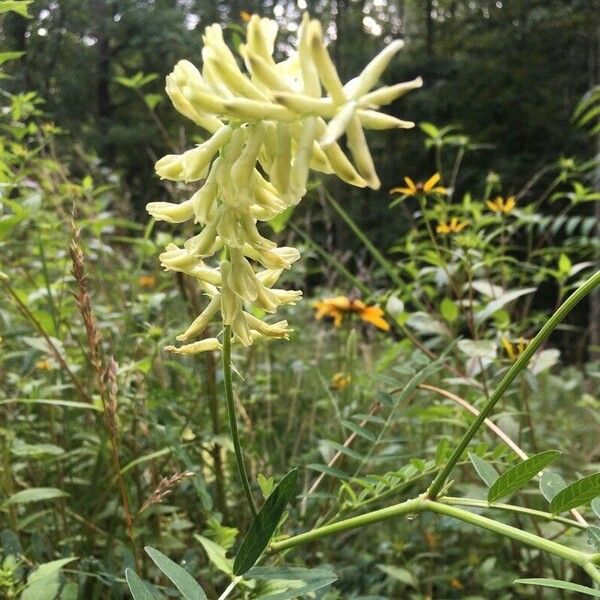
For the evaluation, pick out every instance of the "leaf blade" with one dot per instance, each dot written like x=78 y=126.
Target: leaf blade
x=578 y=493
x=516 y=477
x=182 y=580
x=264 y=525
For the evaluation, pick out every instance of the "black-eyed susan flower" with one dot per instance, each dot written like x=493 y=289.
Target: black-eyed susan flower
x=338 y=306
x=340 y=381
x=455 y=225
x=502 y=205
x=514 y=349
x=414 y=189
x=147 y=281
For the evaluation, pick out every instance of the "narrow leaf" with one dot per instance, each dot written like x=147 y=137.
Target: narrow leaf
x=576 y=494
x=560 y=585
x=35 y=495
x=596 y=506
x=138 y=587
x=265 y=523
x=183 y=581
x=296 y=592
x=519 y=475
x=488 y=474
x=550 y=484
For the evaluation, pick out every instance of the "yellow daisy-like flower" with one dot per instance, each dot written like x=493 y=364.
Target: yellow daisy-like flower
x=514 y=350
x=245 y=16
x=414 y=189
x=455 y=225
x=338 y=306
x=44 y=364
x=340 y=381
x=147 y=281
x=502 y=205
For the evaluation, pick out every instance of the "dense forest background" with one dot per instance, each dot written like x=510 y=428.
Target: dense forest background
x=507 y=73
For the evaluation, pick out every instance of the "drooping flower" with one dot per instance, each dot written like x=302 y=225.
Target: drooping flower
x=414 y=189
x=267 y=125
x=338 y=306
x=502 y=205
x=455 y=225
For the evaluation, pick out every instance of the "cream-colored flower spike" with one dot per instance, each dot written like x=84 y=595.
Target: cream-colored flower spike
x=268 y=125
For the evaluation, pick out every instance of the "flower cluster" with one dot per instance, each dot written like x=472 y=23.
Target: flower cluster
x=269 y=124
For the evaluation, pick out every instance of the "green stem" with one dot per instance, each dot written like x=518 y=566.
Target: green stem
x=383 y=262
x=421 y=505
x=530 y=539
x=510 y=508
x=414 y=506
x=509 y=377
x=235 y=436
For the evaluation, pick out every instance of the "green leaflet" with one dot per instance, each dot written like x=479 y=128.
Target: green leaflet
x=576 y=494
x=265 y=523
x=182 y=580
x=138 y=587
x=519 y=475
x=550 y=484
x=488 y=474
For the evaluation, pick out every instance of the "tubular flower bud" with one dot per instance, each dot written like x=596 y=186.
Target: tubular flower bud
x=268 y=123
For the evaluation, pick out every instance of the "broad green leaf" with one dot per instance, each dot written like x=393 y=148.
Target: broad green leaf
x=265 y=523
x=560 y=585
x=182 y=580
x=576 y=494
x=519 y=475
x=302 y=581
x=596 y=506
x=18 y=6
x=449 y=310
x=6 y=56
x=301 y=590
x=400 y=574
x=488 y=474
x=550 y=484
x=44 y=582
x=138 y=587
x=593 y=533
x=35 y=495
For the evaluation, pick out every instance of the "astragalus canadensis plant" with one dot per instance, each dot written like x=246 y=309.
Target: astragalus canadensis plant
x=269 y=125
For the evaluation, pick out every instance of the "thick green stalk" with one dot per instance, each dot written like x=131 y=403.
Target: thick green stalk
x=420 y=505
x=414 y=506
x=530 y=539
x=235 y=436
x=510 y=376
x=383 y=262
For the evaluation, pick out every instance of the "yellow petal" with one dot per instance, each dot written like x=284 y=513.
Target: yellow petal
x=427 y=187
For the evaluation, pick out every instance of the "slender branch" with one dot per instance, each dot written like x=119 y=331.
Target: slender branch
x=235 y=436
x=509 y=377
x=511 y=508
